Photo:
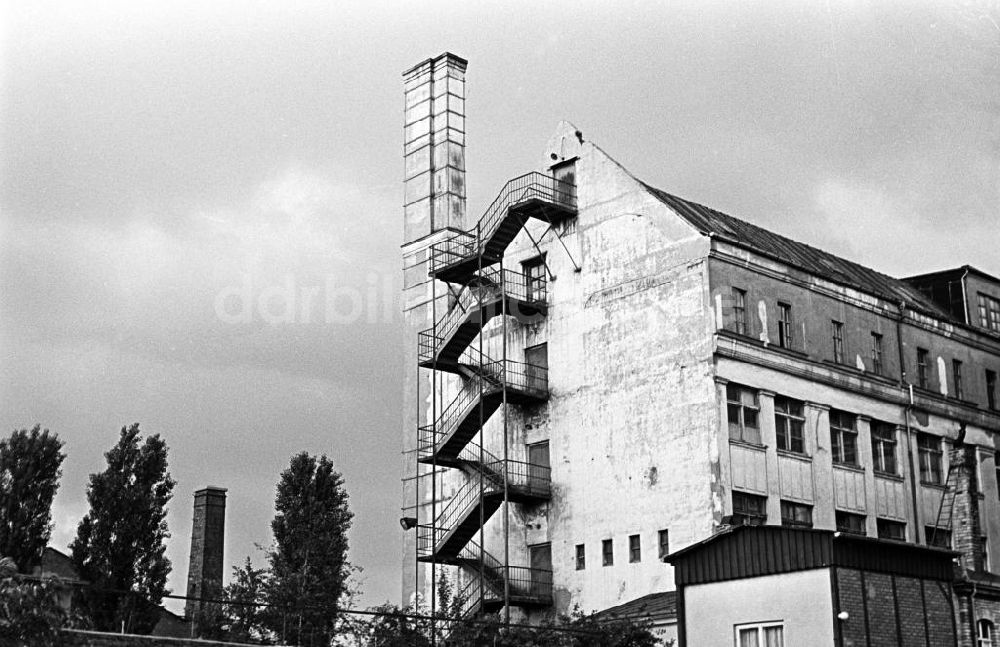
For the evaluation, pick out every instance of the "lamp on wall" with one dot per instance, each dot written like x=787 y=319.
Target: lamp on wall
x=408 y=523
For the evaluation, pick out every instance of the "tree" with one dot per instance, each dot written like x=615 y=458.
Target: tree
x=30 y=613
x=243 y=616
x=309 y=568
x=120 y=543
x=30 y=464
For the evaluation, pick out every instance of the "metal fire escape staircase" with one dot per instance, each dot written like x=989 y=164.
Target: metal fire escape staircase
x=466 y=259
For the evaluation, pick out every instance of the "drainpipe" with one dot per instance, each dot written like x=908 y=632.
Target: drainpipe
x=965 y=297
x=906 y=415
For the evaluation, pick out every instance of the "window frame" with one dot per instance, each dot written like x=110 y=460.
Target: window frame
x=756 y=512
x=985 y=631
x=885 y=440
x=759 y=629
x=839 y=434
x=989 y=312
x=740 y=324
x=634 y=549
x=930 y=458
x=923 y=374
x=784 y=324
x=991 y=390
x=843 y=516
x=877 y=366
x=743 y=407
x=935 y=531
x=789 y=426
x=838 y=341
x=535 y=287
x=663 y=543
x=885 y=525
x=956 y=379
x=580 y=557
x=607 y=552
x=792 y=520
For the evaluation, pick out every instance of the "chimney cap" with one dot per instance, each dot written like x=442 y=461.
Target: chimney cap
x=213 y=489
x=458 y=61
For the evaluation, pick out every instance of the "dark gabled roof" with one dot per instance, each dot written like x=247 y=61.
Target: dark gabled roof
x=655 y=607
x=805 y=257
x=753 y=551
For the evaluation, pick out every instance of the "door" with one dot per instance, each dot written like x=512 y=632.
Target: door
x=565 y=186
x=538 y=467
x=540 y=560
x=536 y=359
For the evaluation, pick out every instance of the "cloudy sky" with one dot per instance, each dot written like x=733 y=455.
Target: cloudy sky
x=171 y=172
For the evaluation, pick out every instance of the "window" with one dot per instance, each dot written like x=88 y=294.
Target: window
x=581 y=557
x=838 y=342
x=634 y=549
x=877 y=353
x=607 y=553
x=991 y=390
x=784 y=325
x=883 y=447
x=534 y=277
x=796 y=514
x=891 y=529
x=771 y=634
x=984 y=633
x=743 y=409
x=922 y=368
x=989 y=312
x=664 y=544
x=851 y=523
x=843 y=437
x=740 y=310
x=929 y=447
x=937 y=537
x=788 y=423
x=956 y=379
x=749 y=508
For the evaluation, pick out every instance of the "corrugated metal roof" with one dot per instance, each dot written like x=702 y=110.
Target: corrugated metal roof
x=752 y=551
x=806 y=257
x=655 y=607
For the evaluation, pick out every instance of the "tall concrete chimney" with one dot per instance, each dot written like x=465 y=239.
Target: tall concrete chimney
x=208 y=534
x=434 y=146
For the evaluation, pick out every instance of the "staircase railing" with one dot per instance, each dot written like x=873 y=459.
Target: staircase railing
x=534 y=185
x=488 y=287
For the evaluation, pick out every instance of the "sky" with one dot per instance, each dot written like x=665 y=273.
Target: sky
x=200 y=203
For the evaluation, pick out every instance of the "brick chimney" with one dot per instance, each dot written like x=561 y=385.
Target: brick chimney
x=208 y=533
x=434 y=146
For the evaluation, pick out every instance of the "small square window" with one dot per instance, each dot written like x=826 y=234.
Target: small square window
x=634 y=549
x=939 y=537
x=607 y=553
x=851 y=523
x=751 y=508
x=796 y=514
x=581 y=557
x=664 y=544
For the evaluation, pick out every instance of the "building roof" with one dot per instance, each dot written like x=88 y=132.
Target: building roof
x=655 y=607
x=752 y=551
x=823 y=264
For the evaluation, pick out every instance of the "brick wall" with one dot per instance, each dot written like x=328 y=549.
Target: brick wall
x=76 y=638
x=966 y=524
x=886 y=610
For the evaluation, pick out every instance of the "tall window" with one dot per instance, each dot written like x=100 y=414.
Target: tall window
x=929 y=447
x=956 y=379
x=838 y=341
x=743 y=409
x=788 y=423
x=991 y=390
x=989 y=312
x=984 y=633
x=771 y=634
x=888 y=529
x=784 y=325
x=607 y=553
x=876 y=353
x=843 y=437
x=581 y=557
x=796 y=514
x=664 y=544
x=534 y=276
x=922 y=368
x=749 y=507
x=634 y=549
x=851 y=523
x=883 y=447
x=740 y=310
